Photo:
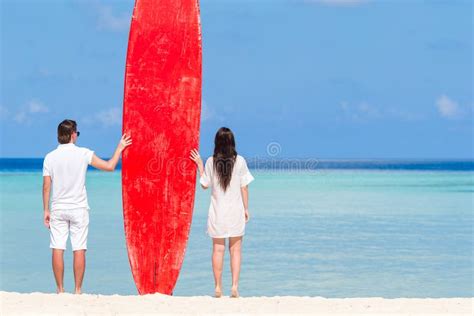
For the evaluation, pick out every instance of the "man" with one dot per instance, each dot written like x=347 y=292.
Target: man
x=65 y=170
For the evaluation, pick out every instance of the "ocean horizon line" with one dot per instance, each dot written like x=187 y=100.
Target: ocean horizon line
x=300 y=164
x=321 y=159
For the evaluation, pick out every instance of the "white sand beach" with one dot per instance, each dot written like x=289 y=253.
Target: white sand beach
x=91 y=304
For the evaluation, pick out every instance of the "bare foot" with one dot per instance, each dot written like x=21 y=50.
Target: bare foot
x=234 y=293
x=77 y=291
x=217 y=292
x=59 y=290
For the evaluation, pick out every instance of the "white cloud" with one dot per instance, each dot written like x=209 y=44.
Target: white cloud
x=360 y=111
x=108 y=20
x=448 y=108
x=208 y=113
x=37 y=107
x=32 y=108
x=403 y=115
x=368 y=110
x=109 y=117
x=343 y=3
x=364 y=111
x=3 y=112
x=20 y=117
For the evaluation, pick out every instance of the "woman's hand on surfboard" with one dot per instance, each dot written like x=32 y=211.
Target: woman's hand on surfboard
x=196 y=157
x=125 y=141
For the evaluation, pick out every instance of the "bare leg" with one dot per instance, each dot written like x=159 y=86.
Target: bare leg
x=218 y=250
x=235 y=246
x=58 y=269
x=79 y=269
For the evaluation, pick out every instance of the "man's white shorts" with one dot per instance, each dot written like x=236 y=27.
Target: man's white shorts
x=63 y=222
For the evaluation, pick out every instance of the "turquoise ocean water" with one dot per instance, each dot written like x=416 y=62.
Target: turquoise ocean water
x=381 y=231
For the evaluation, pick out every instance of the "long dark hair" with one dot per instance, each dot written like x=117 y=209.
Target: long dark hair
x=224 y=156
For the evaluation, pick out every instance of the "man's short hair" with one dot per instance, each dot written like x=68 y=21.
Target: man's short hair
x=65 y=130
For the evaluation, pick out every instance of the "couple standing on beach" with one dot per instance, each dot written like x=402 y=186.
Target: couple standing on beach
x=66 y=210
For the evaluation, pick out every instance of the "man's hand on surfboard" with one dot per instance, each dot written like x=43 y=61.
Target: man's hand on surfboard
x=109 y=165
x=125 y=141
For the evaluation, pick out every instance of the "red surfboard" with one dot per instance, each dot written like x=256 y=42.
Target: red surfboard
x=161 y=111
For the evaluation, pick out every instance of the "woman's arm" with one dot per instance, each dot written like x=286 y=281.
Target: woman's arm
x=197 y=159
x=110 y=164
x=245 y=199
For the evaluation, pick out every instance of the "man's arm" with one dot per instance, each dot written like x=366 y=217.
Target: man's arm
x=46 y=194
x=109 y=165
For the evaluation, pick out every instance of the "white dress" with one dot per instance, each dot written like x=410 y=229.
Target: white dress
x=226 y=212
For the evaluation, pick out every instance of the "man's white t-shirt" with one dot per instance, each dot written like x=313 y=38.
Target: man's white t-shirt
x=67 y=167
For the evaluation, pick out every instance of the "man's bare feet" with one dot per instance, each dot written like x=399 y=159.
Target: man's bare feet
x=234 y=293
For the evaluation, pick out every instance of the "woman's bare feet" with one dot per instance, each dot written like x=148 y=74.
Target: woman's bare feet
x=78 y=291
x=59 y=290
x=234 y=293
x=217 y=292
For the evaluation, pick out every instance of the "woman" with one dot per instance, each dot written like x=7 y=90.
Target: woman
x=228 y=176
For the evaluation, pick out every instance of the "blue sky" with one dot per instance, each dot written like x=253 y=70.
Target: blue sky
x=322 y=78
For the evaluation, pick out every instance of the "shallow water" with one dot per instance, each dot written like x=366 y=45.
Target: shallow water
x=332 y=233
